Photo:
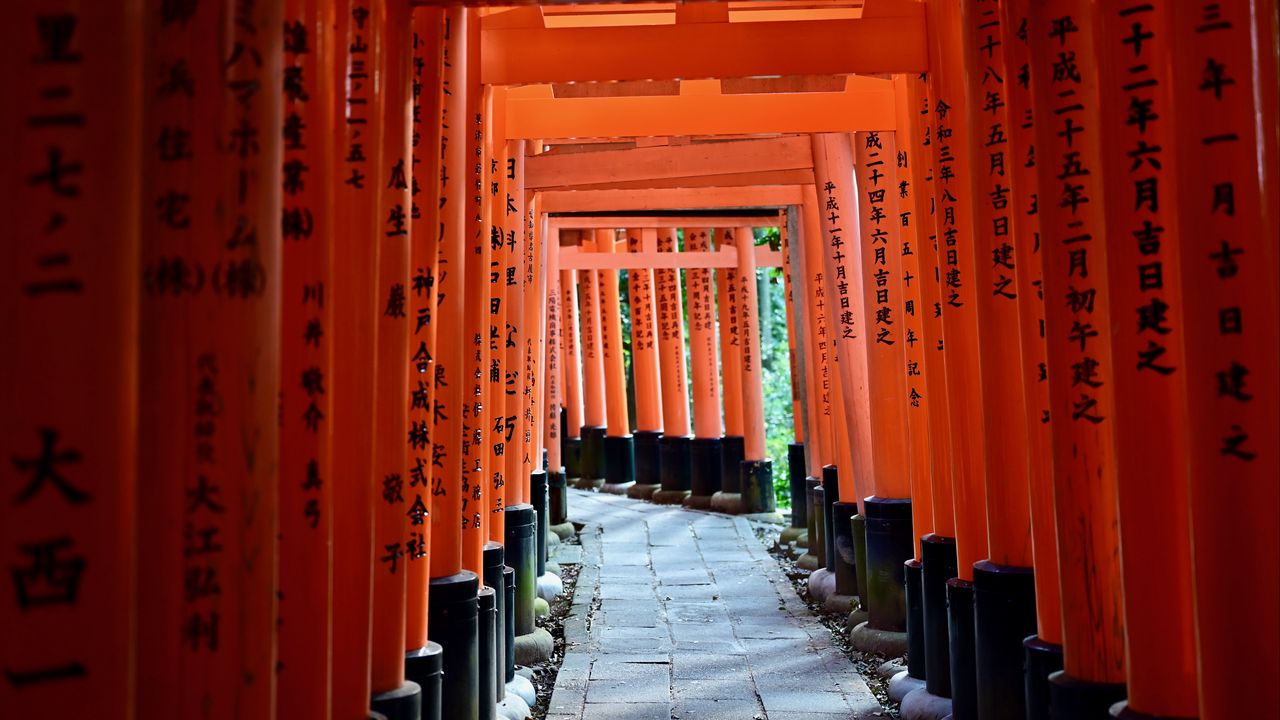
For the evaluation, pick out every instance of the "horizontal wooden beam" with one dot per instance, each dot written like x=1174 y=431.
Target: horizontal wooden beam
x=588 y=222
x=555 y=201
x=511 y=56
x=572 y=258
x=644 y=165
x=762 y=113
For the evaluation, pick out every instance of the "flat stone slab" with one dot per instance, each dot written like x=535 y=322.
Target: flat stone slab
x=683 y=613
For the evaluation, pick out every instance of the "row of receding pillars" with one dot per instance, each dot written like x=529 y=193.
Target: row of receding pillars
x=244 y=476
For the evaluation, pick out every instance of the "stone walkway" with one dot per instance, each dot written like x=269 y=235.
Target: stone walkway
x=683 y=614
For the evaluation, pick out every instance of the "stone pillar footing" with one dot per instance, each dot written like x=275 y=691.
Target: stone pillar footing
x=564 y=530
x=453 y=623
x=921 y=704
x=938 y=565
x=402 y=703
x=822 y=582
x=1004 y=610
x=901 y=684
x=964 y=681
x=534 y=647
x=1042 y=660
x=423 y=666
x=729 y=503
x=619 y=464
x=888 y=643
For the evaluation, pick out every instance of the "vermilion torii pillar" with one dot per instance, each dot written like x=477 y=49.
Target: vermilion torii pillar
x=796 y=316
x=705 y=449
x=453 y=604
x=1044 y=649
x=423 y=657
x=619 y=445
x=887 y=512
x=647 y=383
x=755 y=472
x=1075 y=255
x=675 y=458
x=70 y=274
x=1151 y=410
x=728 y=310
x=1227 y=252
x=306 y=371
x=569 y=339
x=594 y=420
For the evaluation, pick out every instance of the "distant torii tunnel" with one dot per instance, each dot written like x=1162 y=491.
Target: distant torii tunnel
x=312 y=314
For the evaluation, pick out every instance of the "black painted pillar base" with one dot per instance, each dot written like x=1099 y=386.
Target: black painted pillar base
x=423 y=666
x=591 y=463
x=453 y=623
x=756 y=478
x=1004 y=611
x=1075 y=699
x=403 y=703
x=732 y=452
x=1042 y=660
x=845 y=556
x=494 y=566
x=509 y=623
x=964 y=680
x=676 y=461
x=796 y=477
x=818 y=541
x=521 y=531
x=889 y=545
x=571 y=454
x=938 y=565
x=489 y=664
x=811 y=542
x=705 y=476
x=619 y=464
x=913 y=571
x=858 y=532
x=648 y=472
x=830 y=496
x=538 y=498
x=557 y=497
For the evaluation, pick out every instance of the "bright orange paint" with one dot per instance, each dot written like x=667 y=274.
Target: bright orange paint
x=572 y=356
x=615 y=381
x=306 y=372
x=644 y=337
x=727 y=310
x=513 y=226
x=788 y=287
x=69 y=386
x=554 y=363
x=592 y=358
x=424 y=259
x=446 y=434
x=1227 y=251
x=391 y=382
x=702 y=340
x=820 y=351
x=502 y=281
x=880 y=246
x=1077 y=323
x=1151 y=427
x=535 y=320
x=1035 y=375
x=749 y=349
x=675 y=383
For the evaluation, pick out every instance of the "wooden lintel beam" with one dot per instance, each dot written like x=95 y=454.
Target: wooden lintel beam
x=589 y=222
x=555 y=201
x=638 y=116
x=646 y=164
x=802 y=176
x=705 y=50
x=571 y=258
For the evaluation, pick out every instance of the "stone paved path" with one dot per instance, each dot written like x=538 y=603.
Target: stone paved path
x=683 y=614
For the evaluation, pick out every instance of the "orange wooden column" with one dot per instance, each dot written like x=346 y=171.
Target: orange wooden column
x=1044 y=651
x=619 y=450
x=675 y=446
x=727 y=309
x=391 y=389
x=572 y=367
x=424 y=251
x=889 y=538
x=70 y=270
x=1064 y=68
x=705 y=449
x=756 y=470
x=914 y=203
x=794 y=363
x=819 y=351
x=452 y=613
x=1227 y=252
x=647 y=384
x=535 y=342
x=594 y=417
x=306 y=363
x=517 y=238
x=502 y=278
x=554 y=363
x=355 y=301
x=475 y=457
x=1151 y=417
x=797 y=453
